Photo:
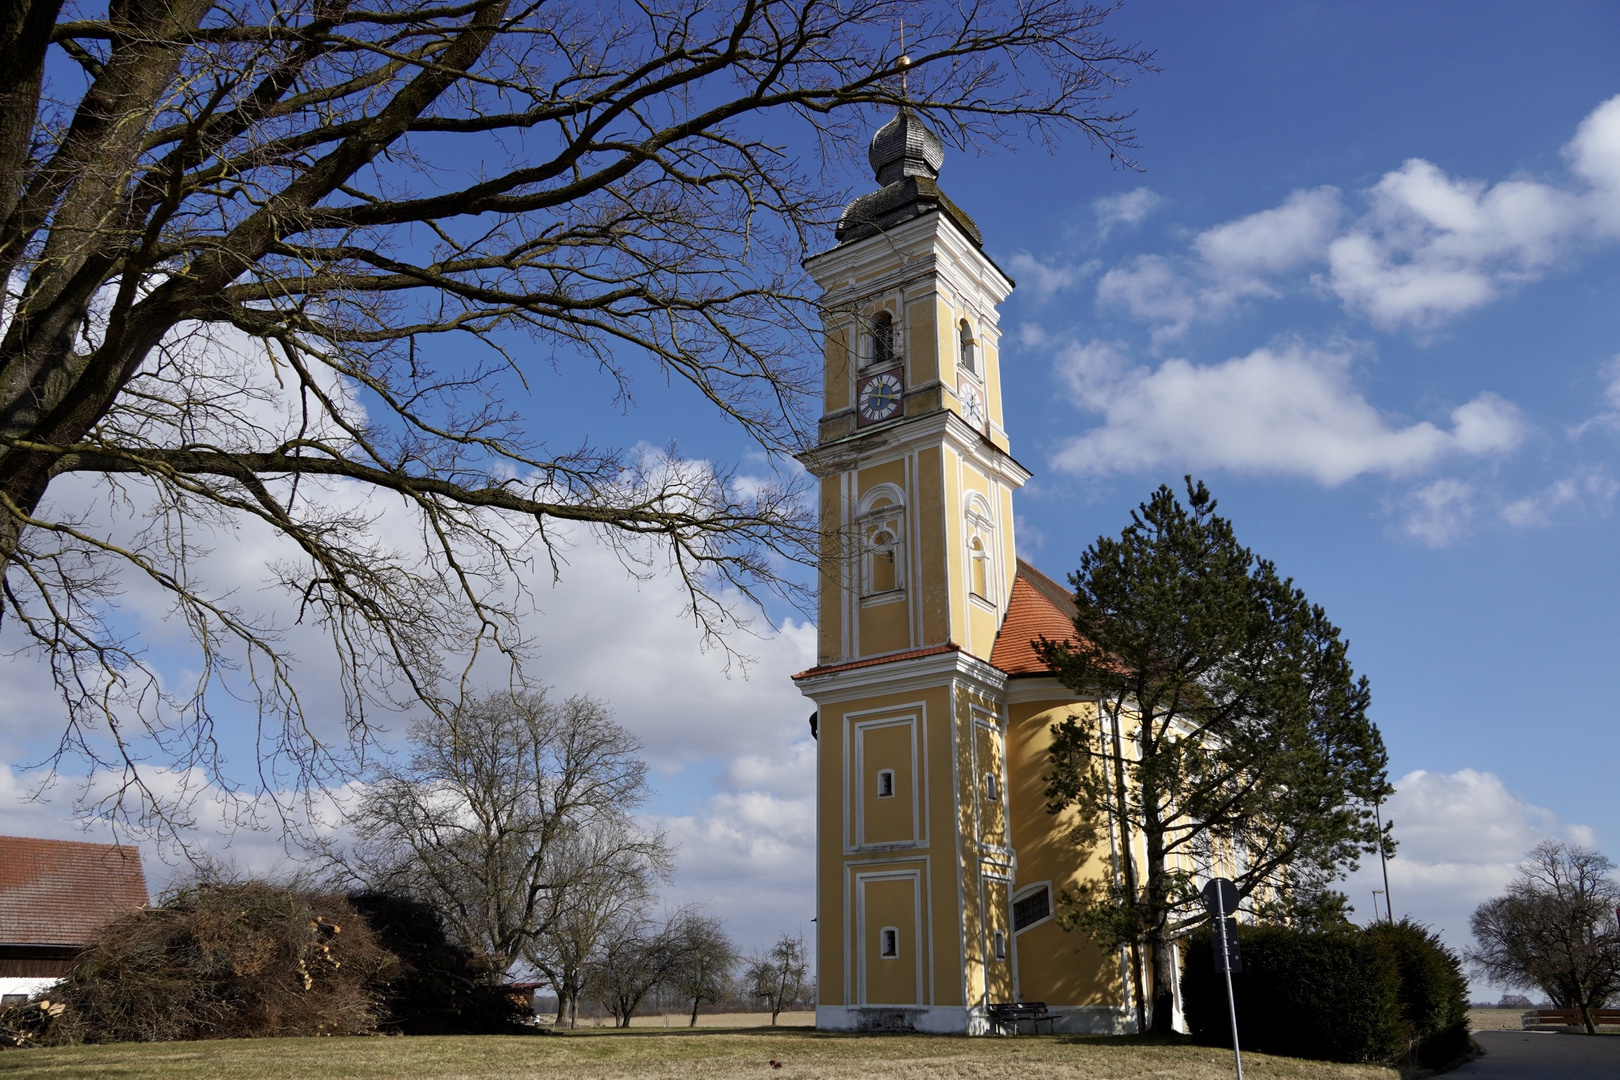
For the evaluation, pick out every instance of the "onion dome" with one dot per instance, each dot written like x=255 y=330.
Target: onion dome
x=905 y=147
x=906 y=157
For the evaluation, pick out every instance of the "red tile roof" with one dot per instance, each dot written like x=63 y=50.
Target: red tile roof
x=55 y=892
x=874 y=661
x=1040 y=607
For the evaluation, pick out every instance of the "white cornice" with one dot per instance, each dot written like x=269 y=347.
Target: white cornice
x=932 y=234
x=1041 y=688
x=875 y=445
x=903 y=676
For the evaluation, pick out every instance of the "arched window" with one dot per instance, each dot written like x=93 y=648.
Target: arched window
x=969 y=347
x=885 y=783
x=883 y=350
x=979 y=527
x=979 y=568
x=882 y=536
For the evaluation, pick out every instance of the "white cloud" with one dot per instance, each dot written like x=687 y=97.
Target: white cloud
x=1045 y=279
x=1286 y=410
x=1594 y=155
x=1588 y=487
x=749 y=856
x=1460 y=834
x=1129 y=209
x=1272 y=241
x=1438 y=513
x=1426 y=247
x=729 y=747
x=1229 y=263
x=243 y=833
x=1609 y=416
x=1432 y=247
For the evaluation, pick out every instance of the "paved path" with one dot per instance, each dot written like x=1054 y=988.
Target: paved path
x=1543 y=1055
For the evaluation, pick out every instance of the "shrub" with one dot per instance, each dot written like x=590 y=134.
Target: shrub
x=1433 y=995
x=438 y=986
x=1325 y=995
x=221 y=961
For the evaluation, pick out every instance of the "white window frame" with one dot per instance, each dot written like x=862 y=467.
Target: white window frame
x=873 y=520
x=1023 y=894
x=882 y=775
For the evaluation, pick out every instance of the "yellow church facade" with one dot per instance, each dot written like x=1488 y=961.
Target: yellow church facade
x=938 y=868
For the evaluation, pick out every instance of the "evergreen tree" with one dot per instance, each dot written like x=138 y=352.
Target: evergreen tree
x=1231 y=735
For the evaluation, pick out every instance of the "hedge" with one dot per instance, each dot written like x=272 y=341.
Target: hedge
x=1387 y=994
x=1433 y=995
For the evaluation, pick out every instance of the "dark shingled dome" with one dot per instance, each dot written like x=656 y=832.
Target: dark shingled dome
x=905 y=147
x=906 y=157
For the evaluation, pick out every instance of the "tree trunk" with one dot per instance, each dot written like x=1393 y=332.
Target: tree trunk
x=1586 y=1015
x=1164 y=983
x=1157 y=903
x=1127 y=862
x=695 y=1002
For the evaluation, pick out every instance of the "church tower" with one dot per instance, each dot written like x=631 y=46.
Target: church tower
x=916 y=481
x=937 y=865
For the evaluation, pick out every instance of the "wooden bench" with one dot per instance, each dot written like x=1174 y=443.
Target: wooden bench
x=1562 y=1018
x=1008 y=1015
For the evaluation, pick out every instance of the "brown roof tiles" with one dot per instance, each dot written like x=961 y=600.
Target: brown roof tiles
x=1040 y=607
x=55 y=892
x=874 y=661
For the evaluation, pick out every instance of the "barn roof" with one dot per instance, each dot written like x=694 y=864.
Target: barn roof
x=56 y=892
x=1039 y=607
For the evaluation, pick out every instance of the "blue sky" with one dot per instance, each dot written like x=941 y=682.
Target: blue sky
x=1366 y=285
x=1363 y=287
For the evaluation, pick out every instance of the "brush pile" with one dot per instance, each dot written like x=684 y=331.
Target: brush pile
x=226 y=961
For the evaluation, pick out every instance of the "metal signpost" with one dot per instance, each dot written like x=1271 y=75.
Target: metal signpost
x=1220 y=897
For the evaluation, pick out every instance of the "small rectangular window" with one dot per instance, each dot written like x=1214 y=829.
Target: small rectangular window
x=992 y=787
x=889 y=942
x=1001 y=945
x=1031 y=909
x=885 y=781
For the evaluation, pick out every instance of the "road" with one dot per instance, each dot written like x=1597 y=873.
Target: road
x=1542 y=1055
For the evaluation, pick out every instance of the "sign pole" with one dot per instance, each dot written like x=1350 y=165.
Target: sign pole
x=1231 y=1002
x=1220 y=894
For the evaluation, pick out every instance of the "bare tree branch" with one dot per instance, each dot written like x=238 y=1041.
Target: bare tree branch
x=282 y=263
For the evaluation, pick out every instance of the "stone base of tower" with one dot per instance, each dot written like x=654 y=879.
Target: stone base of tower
x=974 y=1020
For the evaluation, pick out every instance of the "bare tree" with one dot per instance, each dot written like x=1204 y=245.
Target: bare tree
x=780 y=975
x=503 y=808
x=609 y=879
x=638 y=957
x=279 y=264
x=1554 y=930
x=705 y=964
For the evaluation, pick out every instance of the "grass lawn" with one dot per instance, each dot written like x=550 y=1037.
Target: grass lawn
x=675 y=1054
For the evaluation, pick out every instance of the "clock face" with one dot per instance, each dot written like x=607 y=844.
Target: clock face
x=972 y=404
x=878 y=397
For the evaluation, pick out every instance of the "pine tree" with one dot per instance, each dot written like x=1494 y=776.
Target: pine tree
x=1231 y=734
